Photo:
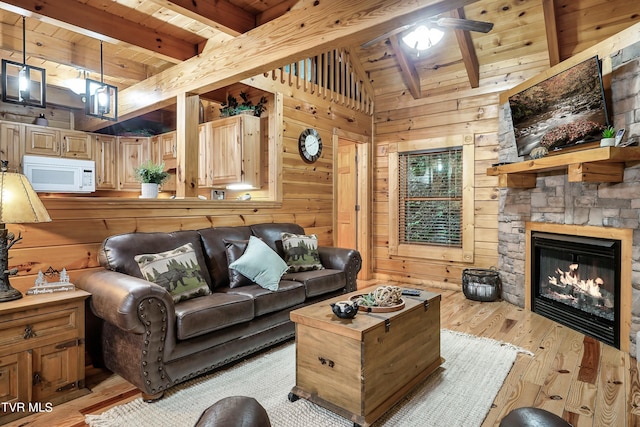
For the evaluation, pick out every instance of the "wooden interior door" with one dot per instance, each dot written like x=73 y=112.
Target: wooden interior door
x=352 y=195
x=347 y=196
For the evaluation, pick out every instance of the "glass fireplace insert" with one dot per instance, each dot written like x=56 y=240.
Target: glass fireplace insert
x=576 y=282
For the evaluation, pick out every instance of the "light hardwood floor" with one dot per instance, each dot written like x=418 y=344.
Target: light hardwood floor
x=586 y=382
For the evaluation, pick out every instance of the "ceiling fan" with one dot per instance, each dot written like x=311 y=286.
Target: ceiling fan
x=443 y=22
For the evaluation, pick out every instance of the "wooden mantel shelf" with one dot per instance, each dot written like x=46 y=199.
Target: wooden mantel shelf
x=602 y=164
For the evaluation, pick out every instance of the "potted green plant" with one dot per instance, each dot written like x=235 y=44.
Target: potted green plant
x=150 y=175
x=232 y=107
x=608 y=137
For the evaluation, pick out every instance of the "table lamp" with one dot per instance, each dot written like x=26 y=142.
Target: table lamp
x=19 y=204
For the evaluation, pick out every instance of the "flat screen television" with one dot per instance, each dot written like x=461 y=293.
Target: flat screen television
x=566 y=109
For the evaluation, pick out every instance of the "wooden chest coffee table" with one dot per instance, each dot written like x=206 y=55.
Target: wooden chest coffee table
x=359 y=368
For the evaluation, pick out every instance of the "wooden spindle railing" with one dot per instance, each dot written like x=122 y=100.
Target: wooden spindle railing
x=328 y=75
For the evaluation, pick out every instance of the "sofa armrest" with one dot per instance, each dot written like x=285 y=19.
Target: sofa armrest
x=347 y=260
x=116 y=297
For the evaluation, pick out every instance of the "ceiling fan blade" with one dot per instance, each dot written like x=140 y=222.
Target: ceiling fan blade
x=386 y=35
x=465 y=24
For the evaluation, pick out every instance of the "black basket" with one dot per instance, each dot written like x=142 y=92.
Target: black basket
x=481 y=284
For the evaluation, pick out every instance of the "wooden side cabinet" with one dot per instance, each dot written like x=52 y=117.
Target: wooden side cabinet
x=41 y=352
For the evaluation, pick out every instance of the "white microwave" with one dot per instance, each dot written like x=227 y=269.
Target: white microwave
x=60 y=175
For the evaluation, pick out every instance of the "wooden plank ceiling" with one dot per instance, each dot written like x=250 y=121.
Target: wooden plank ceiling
x=144 y=38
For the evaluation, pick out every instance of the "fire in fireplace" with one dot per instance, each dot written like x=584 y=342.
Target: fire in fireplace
x=576 y=282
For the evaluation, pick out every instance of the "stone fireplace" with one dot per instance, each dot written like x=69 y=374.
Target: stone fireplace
x=555 y=205
x=575 y=278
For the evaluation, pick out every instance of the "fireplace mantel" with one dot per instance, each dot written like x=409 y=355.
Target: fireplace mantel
x=602 y=164
x=625 y=235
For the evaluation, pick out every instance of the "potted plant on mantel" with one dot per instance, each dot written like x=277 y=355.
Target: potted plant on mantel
x=150 y=175
x=233 y=108
x=608 y=137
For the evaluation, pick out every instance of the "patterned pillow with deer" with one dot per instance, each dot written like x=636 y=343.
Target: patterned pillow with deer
x=301 y=252
x=176 y=270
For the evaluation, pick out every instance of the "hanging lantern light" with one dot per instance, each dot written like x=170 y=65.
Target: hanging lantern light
x=22 y=83
x=102 y=98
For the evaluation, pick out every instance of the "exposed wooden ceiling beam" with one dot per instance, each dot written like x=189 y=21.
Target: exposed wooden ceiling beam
x=219 y=14
x=309 y=28
x=469 y=56
x=549 y=11
x=407 y=68
x=96 y=23
x=70 y=54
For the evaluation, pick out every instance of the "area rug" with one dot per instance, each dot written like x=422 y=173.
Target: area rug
x=459 y=393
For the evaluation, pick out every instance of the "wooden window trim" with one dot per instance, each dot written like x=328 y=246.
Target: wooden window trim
x=463 y=254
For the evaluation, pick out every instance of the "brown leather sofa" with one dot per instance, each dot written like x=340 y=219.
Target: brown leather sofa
x=135 y=329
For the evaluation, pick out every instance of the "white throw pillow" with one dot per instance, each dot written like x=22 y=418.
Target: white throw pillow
x=261 y=264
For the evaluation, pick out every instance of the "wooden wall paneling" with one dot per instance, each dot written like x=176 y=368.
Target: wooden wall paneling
x=470 y=111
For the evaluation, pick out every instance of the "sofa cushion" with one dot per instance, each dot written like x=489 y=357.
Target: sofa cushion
x=301 y=252
x=235 y=249
x=213 y=242
x=260 y=264
x=271 y=233
x=318 y=282
x=210 y=313
x=117 y=252
x=289 y=294
x=176 y=270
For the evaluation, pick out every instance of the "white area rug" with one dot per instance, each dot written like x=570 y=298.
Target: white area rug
x=460 y=393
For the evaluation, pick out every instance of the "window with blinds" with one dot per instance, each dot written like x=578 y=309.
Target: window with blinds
x=430 y=197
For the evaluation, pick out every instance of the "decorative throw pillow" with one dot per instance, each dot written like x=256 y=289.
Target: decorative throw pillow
x=261 y=264
x=301 y=252
x=234 y=250
x=176 y=270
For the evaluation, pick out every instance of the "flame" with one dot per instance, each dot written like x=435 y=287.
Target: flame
x=570 y=278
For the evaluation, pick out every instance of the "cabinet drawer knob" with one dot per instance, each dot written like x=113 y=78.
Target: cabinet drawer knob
x=37 y=379
x=29 y=332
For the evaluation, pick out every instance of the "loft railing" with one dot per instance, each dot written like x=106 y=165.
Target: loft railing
x=331 y=76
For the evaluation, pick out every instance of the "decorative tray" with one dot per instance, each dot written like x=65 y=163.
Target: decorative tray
x=378 y=309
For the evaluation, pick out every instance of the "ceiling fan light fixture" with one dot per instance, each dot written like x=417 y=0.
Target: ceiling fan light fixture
x=422 y=37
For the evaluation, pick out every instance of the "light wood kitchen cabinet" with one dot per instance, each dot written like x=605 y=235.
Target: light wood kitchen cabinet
x=76 y=144
x=105 y=148
x=44 y=141
x=236 y=150
x=155 y=147
x=168 y=145
x=42 y=352
x=163 y=150
x=11 y=137
x=132 y=152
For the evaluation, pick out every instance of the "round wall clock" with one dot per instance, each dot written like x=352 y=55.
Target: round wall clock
x=310 y=145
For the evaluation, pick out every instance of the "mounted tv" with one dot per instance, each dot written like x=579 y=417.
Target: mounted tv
x=564 y=110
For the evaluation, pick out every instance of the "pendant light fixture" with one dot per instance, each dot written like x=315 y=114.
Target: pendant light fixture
x=22 y=83
x=102 y=98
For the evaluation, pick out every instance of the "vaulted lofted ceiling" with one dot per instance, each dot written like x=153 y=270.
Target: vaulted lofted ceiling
x=144 y=38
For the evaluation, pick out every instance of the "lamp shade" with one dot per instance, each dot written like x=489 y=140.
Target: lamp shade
x=19 y=203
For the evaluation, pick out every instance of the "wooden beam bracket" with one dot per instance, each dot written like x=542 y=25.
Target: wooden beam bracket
x=596 y=172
